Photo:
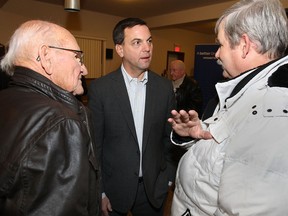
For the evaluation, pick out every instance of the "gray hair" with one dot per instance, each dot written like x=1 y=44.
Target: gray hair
x=25 y=41
x=264 y=21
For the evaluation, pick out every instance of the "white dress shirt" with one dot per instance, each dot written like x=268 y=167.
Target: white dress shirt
x=136 y=89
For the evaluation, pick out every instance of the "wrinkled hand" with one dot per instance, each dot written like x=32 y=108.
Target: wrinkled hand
x=106 y=206
x=188 y=124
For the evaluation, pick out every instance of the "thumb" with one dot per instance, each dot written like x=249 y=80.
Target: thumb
x=205 y=135
x=109 y=206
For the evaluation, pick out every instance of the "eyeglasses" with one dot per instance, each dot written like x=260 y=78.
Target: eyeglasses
x=78 y=53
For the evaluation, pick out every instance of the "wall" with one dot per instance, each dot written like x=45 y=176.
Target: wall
x=164 y=41
x=84 y=23
x=87 y=23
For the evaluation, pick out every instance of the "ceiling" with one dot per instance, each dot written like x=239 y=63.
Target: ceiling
x=147 y=8
x=138 y=8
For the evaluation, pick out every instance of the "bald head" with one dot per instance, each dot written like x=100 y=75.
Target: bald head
x=28 y=38
x=47 y=49
x=177 y=69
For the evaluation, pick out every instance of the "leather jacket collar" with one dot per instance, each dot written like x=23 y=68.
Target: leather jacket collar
x=26 y=77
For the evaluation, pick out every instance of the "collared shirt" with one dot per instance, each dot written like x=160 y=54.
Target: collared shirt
x=137 y=94
x=177 y=83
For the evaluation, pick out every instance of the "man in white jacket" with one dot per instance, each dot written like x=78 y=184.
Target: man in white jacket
x=237 y=158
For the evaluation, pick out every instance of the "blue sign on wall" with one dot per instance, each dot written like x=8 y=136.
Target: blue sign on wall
x=206 y=70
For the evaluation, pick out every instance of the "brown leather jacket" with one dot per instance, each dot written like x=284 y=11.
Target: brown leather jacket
x=48 y=163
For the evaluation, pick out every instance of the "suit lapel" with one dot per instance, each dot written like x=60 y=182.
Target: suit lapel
x=122 y=98
x=149 y=108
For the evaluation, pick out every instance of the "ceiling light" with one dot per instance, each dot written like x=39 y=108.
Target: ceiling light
x=72 y=5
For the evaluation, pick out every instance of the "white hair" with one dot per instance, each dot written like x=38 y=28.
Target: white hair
x=264 y=21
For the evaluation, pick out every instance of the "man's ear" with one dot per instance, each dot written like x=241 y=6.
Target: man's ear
x=245 y=45
x=44 y=57
x=119 y=50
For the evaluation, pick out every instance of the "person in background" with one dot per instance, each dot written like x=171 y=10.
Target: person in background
x=187 y=91
x=130 y=107
x=238 y=160
x=48 y=160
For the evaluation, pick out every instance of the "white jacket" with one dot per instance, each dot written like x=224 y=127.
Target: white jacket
x=244 y=169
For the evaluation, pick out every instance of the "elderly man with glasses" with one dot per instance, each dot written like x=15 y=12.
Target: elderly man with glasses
x=48 y=163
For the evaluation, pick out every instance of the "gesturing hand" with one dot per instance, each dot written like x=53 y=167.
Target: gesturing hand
x=188 y=124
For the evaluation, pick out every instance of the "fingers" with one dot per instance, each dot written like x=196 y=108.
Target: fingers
x=188 y=124
x=183 y=118
x=175 y=118
x=105 y=213
x=180 y=117
x=109 y=206
x=193 y=115
x=106 y=206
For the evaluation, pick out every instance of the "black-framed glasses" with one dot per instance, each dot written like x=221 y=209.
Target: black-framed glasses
x=78 y=53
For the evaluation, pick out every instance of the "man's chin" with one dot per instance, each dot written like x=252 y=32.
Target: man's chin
x=78 y=92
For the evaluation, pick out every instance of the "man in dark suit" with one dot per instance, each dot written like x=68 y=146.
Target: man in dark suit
x=130 y=109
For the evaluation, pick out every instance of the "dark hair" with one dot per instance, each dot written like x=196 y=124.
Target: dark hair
x=118 y=32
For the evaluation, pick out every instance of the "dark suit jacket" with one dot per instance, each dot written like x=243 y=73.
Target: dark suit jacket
x=116 y=139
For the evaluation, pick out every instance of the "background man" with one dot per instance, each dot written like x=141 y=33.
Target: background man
x=187 y=91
